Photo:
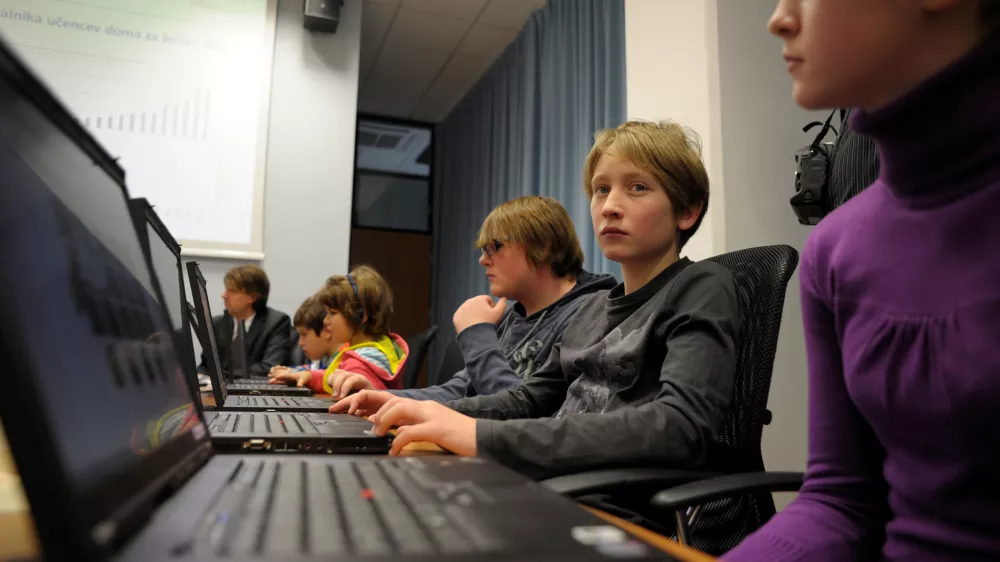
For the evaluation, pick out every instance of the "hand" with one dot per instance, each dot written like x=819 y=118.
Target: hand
x=426 y=420
x=278 y=370
x=300 y=378
x=478 y=310
x=364 y=403
x=346 y=382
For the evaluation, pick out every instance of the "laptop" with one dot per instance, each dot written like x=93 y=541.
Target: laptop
x=213 y=365
x=114 y=457
x=242 y=431
x=239 y=380
x=237 y=377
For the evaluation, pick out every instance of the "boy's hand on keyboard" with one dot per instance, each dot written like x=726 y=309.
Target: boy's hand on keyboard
x=426 y=420
x=300 y=378
x=364 y=403
x=346 y=382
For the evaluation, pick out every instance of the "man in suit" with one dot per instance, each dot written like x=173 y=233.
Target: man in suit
x=267 y=330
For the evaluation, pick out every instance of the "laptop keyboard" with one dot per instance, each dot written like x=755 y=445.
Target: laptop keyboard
x=271 y=423
x=276 y=402
x=363 y=508
x=253 y=386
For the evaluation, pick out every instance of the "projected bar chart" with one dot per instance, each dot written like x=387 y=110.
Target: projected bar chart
x=187 y=119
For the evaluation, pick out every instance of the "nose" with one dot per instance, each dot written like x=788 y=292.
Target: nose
x=784 y=21
x=612 y=205
x=483 y=260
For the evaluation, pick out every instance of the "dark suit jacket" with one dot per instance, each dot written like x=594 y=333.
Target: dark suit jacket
x=268 y=341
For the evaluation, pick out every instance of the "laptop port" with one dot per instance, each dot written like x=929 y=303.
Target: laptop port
x=309 y=446
x=257 y=445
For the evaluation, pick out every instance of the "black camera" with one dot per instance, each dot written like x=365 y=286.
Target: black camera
x=811 y=201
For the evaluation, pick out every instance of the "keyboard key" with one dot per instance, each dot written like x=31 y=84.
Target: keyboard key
x=326 y=530
x=284 y=530
x=409 y=537
x=426 y=510
x=216 y=522
x=248 y=537
x=469 y=523
x=367 y=535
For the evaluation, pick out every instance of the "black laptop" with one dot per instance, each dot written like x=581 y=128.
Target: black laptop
x=289 y=432
x=239 y=379
x=213 y=366
x=114 y=457
x=235 y=374
x=241 y=431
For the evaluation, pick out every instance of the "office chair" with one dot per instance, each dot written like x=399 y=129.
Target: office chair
x=453 y=362
x=418 y=344
x=734 y=500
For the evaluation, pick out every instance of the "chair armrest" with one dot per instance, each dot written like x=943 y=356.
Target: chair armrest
x=613 y=481
x=729 y=485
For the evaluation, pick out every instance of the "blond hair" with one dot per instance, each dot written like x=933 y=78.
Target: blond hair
x=542 y=227
x=370 y=309
x=668 y=151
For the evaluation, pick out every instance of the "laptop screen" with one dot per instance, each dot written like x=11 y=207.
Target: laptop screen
x=166 y=266
x=206 y=332
x=78 y=303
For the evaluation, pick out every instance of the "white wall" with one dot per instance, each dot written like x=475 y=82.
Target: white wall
x=713 y=66
x=672 y=72
x=762 y=128
x=310 y=158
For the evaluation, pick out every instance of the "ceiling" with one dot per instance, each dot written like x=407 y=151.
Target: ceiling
x=419 y=57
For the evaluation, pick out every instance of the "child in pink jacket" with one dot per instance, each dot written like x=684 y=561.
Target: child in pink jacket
x=358 y=307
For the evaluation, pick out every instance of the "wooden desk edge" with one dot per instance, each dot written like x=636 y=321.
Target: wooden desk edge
x=671 y=547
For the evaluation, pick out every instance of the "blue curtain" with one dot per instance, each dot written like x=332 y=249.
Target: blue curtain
x=525 y=129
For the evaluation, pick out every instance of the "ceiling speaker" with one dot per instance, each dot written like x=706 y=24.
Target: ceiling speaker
x=323 y=15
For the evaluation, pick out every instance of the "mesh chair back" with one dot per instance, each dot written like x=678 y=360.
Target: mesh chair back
x=761 y=276
x=418 y=344
x=453 y=362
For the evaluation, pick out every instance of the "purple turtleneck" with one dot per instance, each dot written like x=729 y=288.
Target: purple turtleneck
x=901 y=311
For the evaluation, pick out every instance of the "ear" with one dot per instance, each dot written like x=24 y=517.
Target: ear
x=688 y=218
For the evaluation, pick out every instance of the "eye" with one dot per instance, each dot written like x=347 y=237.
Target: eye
x=602 y=189
x=640 y=187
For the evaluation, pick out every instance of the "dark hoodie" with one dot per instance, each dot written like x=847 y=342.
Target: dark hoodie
x=503 y=356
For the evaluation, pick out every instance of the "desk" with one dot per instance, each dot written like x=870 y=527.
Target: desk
x=17 y=533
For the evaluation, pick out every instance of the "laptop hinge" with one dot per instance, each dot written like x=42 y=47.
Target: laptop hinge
x=114 y=532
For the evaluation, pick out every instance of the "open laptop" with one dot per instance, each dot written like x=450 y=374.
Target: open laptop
x=237 y=375
x=114 y=457
x=290 y=432
x=241 y=431
x=213 y=366
x=163 y=253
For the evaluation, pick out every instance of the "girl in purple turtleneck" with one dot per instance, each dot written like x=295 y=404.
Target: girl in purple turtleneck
x=901 y=289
